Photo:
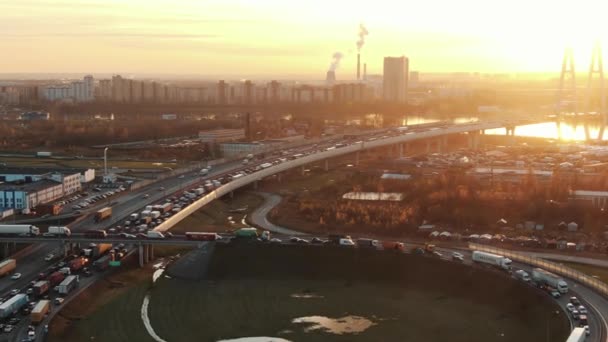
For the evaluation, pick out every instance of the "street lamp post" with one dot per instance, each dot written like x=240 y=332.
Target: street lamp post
x=105 y=161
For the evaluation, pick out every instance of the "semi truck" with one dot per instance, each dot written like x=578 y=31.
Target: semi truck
x=77 y=264
x=492 y=259
x=40 y=310
x=204 y=172
x=145 y=220
x=41 y=287
x=134 y=216
x=68 y=284
x=12 y=306
x=202 y=236
x=103 y=214
x=96 y=234
x=577 y=335
x=393 y=245
x=152 y=234
x=60 y=230
x=7 y=266
x=246 y=233
x=56 y=278
x=155 y=214
x=146 y=213
x=102 y=263
x=368 y=243
x=44 y=154
x=165 y=208
x=542 y=277
x=19 y=229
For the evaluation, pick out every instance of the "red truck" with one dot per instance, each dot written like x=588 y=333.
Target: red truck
x=77 y=264
x=41 y=287
x=202 y=236
x=56 y=278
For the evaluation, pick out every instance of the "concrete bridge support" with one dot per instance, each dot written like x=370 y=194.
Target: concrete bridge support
x=357 y=156
x=326 y=164
x=473 y=140
x=140 y=254
x=428 y=146
x=401 y=150
x=255 y=185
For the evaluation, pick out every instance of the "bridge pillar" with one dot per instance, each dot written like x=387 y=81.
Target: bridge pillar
x=326 y=164
x=428 y=146
x=151 y=252
x=302 y=168
x=255 y=185
x=357 y=158
x=400 y=150
x=147 y=253
x=231 y=194
x=473 y=140
x=140 y=250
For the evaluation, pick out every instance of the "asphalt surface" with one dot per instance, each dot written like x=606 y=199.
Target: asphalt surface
x=259 y=217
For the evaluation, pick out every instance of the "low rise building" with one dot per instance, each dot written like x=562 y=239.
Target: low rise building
x=598 y=199
x=221 y=135
x=28 y=195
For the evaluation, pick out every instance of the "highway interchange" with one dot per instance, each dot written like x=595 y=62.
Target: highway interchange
x=30 y=262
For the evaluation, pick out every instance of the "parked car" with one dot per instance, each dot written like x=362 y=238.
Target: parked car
x=16 y=276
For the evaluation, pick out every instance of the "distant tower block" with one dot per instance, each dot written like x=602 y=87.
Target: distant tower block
x=596 y=67
x=567 y=88
x=331 y=77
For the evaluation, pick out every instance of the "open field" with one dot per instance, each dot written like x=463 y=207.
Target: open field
x=408 y=298
x=215 y=217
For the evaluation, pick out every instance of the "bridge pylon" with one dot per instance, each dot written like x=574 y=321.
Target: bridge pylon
x=596 y=67
x=567 y=87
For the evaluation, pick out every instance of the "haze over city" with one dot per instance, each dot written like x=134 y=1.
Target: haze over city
x=281 y=39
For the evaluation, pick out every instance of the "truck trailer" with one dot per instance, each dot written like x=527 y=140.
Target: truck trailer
x=492 y=259
x=40 y=310
x=12 y=306
x=577 y=335
x=76 y=264
x=102 y=263
x=7 y=266
x=19 y=229
x=246 y=233
x=542 y=277
x=68 y=284
x=56 y=278
x=41 y=287
x=60 y=230
x=103 y=214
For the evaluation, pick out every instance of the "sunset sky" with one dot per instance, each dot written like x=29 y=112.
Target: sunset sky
x=278 y=37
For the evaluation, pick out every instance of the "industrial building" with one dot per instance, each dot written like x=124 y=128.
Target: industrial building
x=28 y=195
x=71 y=180
x=396 y=74
x=221 y=135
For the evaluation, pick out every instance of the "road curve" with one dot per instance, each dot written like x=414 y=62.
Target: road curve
x=259 y=217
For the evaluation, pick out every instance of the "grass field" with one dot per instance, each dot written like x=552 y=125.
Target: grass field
x=408 y=298
x=214 y=217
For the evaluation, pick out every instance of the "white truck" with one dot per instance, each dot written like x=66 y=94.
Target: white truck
x=542 y=277
x=60 y=230
x=68 y=284
x=492 y=259
x=19 y=229
x=577 y=335
x=134 y=216
x=204 y=172
x=155 y=214
x=146 y=213
x=152 y=234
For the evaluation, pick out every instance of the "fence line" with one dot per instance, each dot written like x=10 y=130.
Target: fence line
x=562 y=270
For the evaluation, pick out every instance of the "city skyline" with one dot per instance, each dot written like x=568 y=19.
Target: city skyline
x=236 y=38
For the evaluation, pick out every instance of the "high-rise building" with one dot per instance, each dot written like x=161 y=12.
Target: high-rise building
x=396 y=72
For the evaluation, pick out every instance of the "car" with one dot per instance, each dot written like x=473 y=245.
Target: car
x=575 y=301
x=59 y=301
x=87 y=273
x=13 y=321
x=181 y=177
x=275 y=240
x=570 y=307
x=8 y=328
x=31 y=328
x=582 y=310
x=47 y=234
x=168 y=235
x=29 y=291
x=555 y=294
x=316 y=240
x=162 y=188
x=146 y=196
x=437 y=254
x=49 y=257
x=31 y=335
x=587 y=330
x=574 y=313
x=16 y=276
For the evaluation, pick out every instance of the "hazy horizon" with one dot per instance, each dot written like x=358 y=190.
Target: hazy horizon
x=275 y=39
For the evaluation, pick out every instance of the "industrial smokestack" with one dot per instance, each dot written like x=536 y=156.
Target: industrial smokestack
x=358 y=66
x=331 y=77
x=365 y=71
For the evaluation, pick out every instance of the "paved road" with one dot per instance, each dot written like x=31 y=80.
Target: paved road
x=259 y=217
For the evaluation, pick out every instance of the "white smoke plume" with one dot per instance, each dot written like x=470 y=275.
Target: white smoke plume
x=362 y=33
x=335 y=61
